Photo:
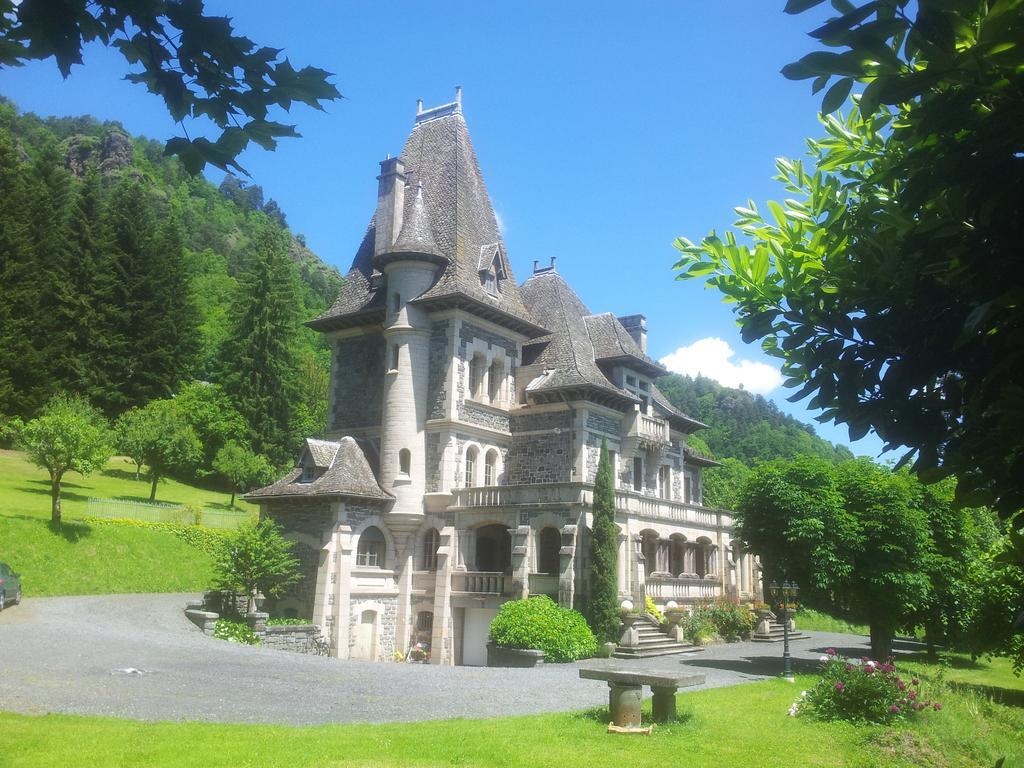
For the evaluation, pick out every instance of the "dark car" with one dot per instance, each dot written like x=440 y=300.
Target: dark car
x=10 y=586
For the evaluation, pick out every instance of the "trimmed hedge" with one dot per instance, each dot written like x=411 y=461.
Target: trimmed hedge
x=538 y=623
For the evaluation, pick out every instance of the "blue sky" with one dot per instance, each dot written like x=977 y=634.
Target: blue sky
x=604 y=131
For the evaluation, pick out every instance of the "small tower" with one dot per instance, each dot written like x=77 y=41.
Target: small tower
x=410 y=267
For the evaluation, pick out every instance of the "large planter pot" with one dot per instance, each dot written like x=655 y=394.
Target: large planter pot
x=674 y=618
x=630 y=637
x=499 y=656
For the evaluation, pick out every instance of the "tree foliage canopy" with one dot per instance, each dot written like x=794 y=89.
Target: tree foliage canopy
x=603 y=603
x=192 y=60
x=889 y=281
x=257 y=559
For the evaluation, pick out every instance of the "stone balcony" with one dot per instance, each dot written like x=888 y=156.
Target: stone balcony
x=649 y=431
x=682 y=588
x=629 y=503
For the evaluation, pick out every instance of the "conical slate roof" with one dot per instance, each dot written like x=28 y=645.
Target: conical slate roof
x=459 y=219
x=417 y=235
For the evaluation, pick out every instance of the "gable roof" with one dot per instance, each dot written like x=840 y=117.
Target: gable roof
x=439 y=155
x=578 y=344
x=346 y=470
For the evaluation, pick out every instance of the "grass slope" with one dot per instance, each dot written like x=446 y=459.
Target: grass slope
x=742 y=725
x=95 y=559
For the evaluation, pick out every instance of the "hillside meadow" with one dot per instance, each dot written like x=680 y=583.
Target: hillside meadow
x=88 y=559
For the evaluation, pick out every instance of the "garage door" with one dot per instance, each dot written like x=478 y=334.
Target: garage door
x=474 y=636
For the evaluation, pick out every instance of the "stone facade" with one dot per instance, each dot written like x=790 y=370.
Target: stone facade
x=469 y=413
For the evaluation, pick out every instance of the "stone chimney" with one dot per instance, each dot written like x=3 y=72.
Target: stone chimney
x=636 y=326
x=390 y=204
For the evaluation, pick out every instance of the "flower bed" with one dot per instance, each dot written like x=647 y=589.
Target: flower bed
x=868 y=691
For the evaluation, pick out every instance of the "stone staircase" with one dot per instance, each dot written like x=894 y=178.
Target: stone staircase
x=776 y=634
x=653 y=642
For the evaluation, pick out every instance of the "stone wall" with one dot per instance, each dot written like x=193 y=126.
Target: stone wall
x=295 y=638
x=539 y=458
x=307 y=522
x=357 y=383
x=387 y=622
x=593 y=453
x=435 y=452
x=440 y=360
x=485 y=417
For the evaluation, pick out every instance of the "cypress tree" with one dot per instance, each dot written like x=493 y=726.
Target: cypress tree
x=603 y=605
x=259 y=354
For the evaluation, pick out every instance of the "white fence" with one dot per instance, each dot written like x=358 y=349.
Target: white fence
x=154 y=512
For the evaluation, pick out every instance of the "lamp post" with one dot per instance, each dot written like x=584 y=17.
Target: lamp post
x=788 y=590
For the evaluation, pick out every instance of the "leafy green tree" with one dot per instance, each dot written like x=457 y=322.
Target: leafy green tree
x=723 y=485
x=161 y=436
x=259 y=357
x=603 y=603
x=68 y=436
x=889 y=280
x=851 y=535
x=209 y=411
x=242 y=469
x=257 y=559
x=995 y=619
x=195 y=62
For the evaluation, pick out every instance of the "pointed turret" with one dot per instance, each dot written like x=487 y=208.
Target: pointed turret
x=416 y=240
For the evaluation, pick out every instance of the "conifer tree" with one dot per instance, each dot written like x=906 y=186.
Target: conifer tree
x=259 y=356
x=603 y=605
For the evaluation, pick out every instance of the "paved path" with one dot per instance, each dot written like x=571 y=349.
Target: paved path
x=63 y=654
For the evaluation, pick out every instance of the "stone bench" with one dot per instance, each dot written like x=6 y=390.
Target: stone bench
x=626 y=691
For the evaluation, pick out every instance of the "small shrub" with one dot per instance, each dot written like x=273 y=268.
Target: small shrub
x=208 y=540
x=866 y=692
x=731 y=620
x=283 y=622
x=541 y=624
x=698 y=626
x=652 y=609
x=235 y=632
x=192 y=514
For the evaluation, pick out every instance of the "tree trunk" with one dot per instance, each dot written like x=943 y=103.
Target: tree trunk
x=232 y=499
x=138 y=471
x=929 y=638
x=881 y=640
x=55 y=501
x=152 y=489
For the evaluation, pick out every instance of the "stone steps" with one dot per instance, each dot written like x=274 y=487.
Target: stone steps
x=776 y=634
x=653 y=642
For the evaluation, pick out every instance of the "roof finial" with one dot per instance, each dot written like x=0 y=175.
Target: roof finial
x=458 y=97
x=419 y=106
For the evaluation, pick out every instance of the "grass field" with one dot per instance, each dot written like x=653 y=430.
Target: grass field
x=87 y=559
x=742 y=725
x=816 y=621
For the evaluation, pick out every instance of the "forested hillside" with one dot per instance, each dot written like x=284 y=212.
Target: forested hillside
x=123 y=279
x=743 y=430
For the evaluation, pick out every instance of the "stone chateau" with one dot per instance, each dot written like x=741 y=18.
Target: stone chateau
x=465 y=420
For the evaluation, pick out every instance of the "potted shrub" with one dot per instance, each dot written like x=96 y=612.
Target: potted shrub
x=526 y=632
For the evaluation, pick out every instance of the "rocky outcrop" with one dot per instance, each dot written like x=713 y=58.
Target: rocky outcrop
x=110 y=153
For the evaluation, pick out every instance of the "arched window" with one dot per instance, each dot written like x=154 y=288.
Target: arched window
x=548 y=560
x=476 y=375
x=471 y=458
x=491 y=468
x=493 y=548
x=370 y=553
x=431 y=541
x=703 y=557
x=404 y=460
x=495 y=380
x=424 y=626
x=677 y=554
x=649 y=549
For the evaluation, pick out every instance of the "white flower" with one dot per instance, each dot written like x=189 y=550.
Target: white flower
x=823 y=659
x=794 y=709
x=869 y=663
x=803 y=694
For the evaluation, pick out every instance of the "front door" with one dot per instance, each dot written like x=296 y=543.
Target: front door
x=365 y=647
x=474 y=636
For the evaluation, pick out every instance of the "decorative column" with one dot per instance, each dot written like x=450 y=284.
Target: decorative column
x=341 y=612
x=639 y=572
x=442 y=648
x=567 y=567
x=521 y=562
x=404 y=548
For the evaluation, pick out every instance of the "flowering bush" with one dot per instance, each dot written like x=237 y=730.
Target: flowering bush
x=869 y=691
x=732 y=621
x=698 y=627
x=235 y=632
x=652 y=609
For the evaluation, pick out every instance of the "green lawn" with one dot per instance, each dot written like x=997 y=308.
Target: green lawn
x=816 y=621
x=95 y=559
x=741 y=725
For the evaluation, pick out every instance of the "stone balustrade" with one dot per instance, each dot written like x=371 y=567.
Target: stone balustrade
x=681 y=588
x=481 y=582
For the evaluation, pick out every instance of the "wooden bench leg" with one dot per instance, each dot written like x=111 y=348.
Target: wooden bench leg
x=624 y=703
x=664 y=704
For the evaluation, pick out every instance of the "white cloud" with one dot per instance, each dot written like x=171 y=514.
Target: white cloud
x=712 y=357
x=501 y=222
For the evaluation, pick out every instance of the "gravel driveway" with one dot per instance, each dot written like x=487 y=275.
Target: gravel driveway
x=63 y=654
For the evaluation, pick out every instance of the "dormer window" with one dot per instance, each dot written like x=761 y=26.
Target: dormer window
x=492 y=268
x=308 y=473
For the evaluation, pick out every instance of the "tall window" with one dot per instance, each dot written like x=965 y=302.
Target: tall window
x=476 y=376
x=404 y=460
x=471 y=458
x=638 y=473
x=396 y=302
x=548 y=552
x=491 y=468
x=688 y=487
x=495 y=381
x=370 y=552
x=665 y=481
x=613 y=463
x=431 y=541
x=394 y=357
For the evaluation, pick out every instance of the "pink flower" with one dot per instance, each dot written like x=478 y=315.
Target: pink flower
x=869 y=663
x=912 y=695
x=894 y=709
x=901 y=685
x=915 y=681
x=840 y=686
x=830 y=651
x=936 y=706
